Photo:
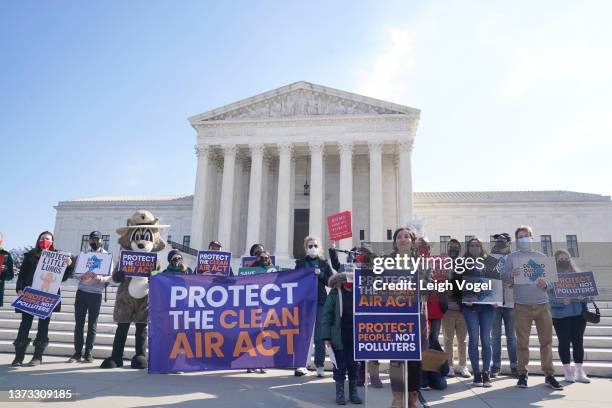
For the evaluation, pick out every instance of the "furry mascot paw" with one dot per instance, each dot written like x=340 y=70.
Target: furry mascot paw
x=110 y=363
x=139 y=362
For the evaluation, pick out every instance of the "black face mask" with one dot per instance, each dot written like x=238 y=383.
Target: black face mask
x=95 y=245
x=453 y=253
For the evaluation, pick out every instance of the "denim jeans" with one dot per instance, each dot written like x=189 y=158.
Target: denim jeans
x=507 y=314
x=479 y=319
x=434 y=330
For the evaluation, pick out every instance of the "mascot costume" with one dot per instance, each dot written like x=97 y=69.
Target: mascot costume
x=142 y=234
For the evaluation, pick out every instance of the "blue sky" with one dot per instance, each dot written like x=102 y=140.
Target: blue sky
x=95 y=95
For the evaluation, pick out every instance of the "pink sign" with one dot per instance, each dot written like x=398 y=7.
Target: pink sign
x=339 y=226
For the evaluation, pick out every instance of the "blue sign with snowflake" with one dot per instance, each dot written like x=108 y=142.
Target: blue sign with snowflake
x=534 y=268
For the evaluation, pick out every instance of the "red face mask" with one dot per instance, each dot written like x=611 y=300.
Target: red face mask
x=348 y=285
x=360 y=259
x=45 y=244
x=423 y=252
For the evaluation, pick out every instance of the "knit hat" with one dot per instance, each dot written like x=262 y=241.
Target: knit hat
x=173 y=253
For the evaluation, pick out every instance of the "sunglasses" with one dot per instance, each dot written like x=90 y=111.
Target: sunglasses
x=312 y=246
x=176 y=259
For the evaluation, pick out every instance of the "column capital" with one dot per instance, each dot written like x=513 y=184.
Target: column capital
x=257 y=149
x=316 y=147
x=229 y=149
x=285 y=148
x=202 y=150
x=405 y=146
x=345 y=147
x=375 y=146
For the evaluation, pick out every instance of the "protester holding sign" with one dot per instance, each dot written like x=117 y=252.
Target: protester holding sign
x=453 y=322
x=88 y=300
x=437 y=303
x=314 y=259
x=505 y=313
x=25 y=279
x=569 y=323
x=216 y=246
x=403 y=240
x=478 y=318
x=530 y=305
x=6 y=268
x=337 y=332
x=176 y=264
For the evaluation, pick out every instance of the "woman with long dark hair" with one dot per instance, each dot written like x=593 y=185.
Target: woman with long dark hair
x=26 y=276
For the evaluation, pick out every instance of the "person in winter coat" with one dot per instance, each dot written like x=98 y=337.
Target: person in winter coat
x=26 y=276
x=176 y=264
x=337 y=333
x=6 y=268
x=314 y=259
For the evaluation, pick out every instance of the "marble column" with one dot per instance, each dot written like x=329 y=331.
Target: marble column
x=376 y=191
x=346 y=184
x=199 y=197
x=255 y=196
x=283 y=202
x=227 y=196
x=316 y=190
x=404 y=169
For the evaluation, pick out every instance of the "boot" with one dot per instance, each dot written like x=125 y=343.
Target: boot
x=353 y=395
x=20 y=349
x=340 y=399
x=39 y=349
x=413 y=399
x=116 y=358
x=361 y=374
x=374 y=370
x=398 y=400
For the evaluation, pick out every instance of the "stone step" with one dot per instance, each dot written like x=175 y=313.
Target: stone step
x=65 y=349
x=102 y=339
x=63 y=326
x=61 y=316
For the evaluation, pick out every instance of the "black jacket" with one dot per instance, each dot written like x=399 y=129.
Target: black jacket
x=26 y=274
x=323 y=278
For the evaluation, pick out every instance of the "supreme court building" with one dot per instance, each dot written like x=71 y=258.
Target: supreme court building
x=270 y=169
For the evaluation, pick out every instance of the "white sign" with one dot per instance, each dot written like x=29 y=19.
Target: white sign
x=50 y=271
x=99 y=263
x=533 y=268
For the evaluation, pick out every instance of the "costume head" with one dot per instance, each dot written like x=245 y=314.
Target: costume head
x=142 y=233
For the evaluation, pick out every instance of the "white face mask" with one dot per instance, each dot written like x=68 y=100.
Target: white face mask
x=312 y=252
x=524 y=242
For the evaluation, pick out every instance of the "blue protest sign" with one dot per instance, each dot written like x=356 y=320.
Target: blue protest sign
x=37 y=303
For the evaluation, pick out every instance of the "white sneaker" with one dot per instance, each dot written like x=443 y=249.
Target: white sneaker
x=582 y=377
x=464 y=372
x=300 y=371
x=451 y=372
x=569 y=377
x=320 y=372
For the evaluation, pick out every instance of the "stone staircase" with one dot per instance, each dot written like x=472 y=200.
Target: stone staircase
x=597 y=341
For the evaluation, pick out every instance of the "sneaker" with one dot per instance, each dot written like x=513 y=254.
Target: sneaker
x=300 y=371
x=464 y=372
x=261 y=371
x=320 y=372
x=522 y=381
x=495 y=372
x=451 y=372
x=477 y=380
x=425 y=388
x=87 y=358
x=513 y=373
x=75 y=358
x=569 y=377
x=552 y=382
x=582 y=377
x=250 y=370
x=486 y=380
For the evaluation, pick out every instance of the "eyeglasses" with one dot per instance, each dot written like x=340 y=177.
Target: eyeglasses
x=176 y=259
x=312 y=246
x=264 y=258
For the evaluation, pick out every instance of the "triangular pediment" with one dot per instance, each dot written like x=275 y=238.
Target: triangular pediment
x=302 y=99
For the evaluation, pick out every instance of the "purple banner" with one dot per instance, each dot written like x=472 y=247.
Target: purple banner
x=200 y=322
x=37 y=303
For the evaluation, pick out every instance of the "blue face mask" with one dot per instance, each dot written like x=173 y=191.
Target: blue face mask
x=525 y=242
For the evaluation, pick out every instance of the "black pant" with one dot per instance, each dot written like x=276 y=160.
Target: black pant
x=85 y=303
x=570 y=330
x=26 y=325
x=345 y=359
x=397 y=371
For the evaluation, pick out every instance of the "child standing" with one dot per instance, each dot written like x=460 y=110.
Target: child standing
x=337 y=332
